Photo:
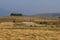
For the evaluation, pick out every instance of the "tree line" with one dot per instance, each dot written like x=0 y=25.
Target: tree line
x=16 y=14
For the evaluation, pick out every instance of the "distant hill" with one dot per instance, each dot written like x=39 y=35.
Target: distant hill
x=48 y=14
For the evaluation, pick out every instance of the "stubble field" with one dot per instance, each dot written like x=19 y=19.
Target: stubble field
x=9 y=31
x=30 y=34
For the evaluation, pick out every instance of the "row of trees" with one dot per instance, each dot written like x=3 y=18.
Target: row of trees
x=16 y=14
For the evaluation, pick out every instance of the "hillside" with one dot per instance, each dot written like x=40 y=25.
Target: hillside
x=30 y=34
x=48 y=14
x=29 y=28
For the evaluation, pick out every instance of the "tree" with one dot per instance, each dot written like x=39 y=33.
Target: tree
x=16 y=14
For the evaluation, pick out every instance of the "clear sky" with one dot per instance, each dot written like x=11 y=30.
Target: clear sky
x=29 y=7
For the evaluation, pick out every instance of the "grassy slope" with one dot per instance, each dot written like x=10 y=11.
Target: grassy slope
x=27 y=18
x=29 y=33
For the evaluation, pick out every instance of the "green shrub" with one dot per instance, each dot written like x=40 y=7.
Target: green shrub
x=16 y=14
x=43 y=23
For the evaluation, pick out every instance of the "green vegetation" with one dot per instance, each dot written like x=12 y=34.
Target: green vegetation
x=43 y=22
x=16 y=14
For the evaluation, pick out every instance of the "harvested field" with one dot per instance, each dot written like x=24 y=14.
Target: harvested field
x=19 y=28
x=30 y=34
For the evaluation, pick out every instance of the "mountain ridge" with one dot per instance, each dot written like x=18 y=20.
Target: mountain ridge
x=48 y=14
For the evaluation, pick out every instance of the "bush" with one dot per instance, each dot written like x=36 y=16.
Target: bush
x=43 y=22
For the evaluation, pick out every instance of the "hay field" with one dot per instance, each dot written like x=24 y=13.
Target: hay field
x=9 y=31
x=30 y=34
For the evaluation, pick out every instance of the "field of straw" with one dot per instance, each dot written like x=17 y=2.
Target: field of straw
x=30 y=34
x=8 y=31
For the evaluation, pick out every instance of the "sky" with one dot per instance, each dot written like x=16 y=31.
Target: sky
x=29 y=7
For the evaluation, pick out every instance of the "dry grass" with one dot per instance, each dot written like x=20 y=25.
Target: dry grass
x=27 y=18
x=8 y=31
x=30 y=34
